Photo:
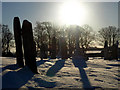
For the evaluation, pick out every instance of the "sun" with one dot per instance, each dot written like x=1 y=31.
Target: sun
x=73 y=12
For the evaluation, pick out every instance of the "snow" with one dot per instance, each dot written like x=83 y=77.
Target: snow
x=56 y=73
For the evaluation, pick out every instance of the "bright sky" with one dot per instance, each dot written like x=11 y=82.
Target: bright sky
x=95 y=14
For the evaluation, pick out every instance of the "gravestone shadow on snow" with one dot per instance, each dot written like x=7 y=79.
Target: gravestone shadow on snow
x=55 y=68
x=15 y=66
x=41 y=62
x=80 y=63
x=18 y=78
x=117 y=65
x=42 y=83
x=10 y=67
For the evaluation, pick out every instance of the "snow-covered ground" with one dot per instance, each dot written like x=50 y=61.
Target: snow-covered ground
x=56 y=73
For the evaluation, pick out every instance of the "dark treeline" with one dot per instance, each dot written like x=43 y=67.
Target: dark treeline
x=6 y=36
x=44 y=32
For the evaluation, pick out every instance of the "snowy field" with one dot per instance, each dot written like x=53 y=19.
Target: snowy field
x=95 y=73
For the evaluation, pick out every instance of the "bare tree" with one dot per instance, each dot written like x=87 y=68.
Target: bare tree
x=87 y=36
x=48 y=27
x=70 y=31
x=38 y=29
x=6 y=38
x=43 y=33
x=110 y=34
x=51 y=30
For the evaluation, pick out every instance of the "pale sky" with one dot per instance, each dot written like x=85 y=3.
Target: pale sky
x=99 y=14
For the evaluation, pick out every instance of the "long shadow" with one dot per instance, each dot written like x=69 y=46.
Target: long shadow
x=55 y=68
x=117 y=65
x=15 y=66
x=80 y=63
x=41 y=62
x=10 y=67
x=45 y=84
x=16 y=79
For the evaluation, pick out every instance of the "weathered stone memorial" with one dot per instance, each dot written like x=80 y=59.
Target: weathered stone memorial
x=115 y=51
x=59 y=48
x=63 y=48
x=79 y=53
x=29 y=46
x=78 y=56
x=43 y=51
x=106 y=51
x=53 y=51
x=18 y=41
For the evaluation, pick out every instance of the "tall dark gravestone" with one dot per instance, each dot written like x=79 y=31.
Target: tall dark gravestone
x=53 y=51
x=29 y=46
x=18 y=41
x=115 y=51
x=43 y=54
x=59 y=48
x=63 y=49
x=106 y=51
x=78 y=53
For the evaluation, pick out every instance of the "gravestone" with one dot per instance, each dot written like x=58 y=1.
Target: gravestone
x=118 y=50
x=53 y=51
x=18 y=41
x=79 y=53
x=70 y=50
x=43 y=51
x=115 y=51
x=106 y=51
x=63 y=48
x=29 y=46
x=59 y=48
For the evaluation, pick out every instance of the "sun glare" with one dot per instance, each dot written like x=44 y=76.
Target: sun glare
x=73 y=12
